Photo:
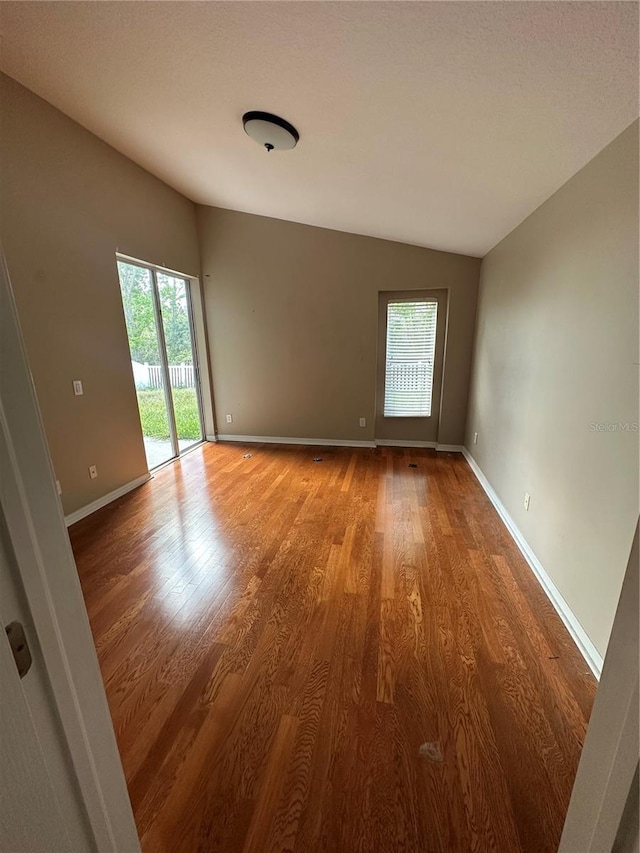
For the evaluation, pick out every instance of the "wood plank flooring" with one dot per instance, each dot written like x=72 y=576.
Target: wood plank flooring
x=346 y=655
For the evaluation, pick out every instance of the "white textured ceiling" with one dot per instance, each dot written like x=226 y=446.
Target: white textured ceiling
x=437 y=123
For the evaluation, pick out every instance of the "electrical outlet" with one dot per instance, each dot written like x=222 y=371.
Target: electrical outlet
x=475 y=438
x=527 y=500
x=363 y=422
x=229 y=419
x=93 y=472
x=77 y=388
x=58 y=487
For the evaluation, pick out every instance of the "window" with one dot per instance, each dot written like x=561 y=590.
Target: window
x=411 y=345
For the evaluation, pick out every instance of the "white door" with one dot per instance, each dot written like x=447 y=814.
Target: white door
x=33 y=817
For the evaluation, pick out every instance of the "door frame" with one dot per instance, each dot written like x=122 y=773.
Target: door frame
x=441 y=296
x=191 y=284
x=609 y=760
x=164 y=366
x=47 y=571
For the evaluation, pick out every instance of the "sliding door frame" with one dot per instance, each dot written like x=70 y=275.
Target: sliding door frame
x=189 y=282
x=164 y=364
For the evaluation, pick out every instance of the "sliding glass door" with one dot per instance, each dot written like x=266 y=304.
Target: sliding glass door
x=177 y=326
x=157 y=308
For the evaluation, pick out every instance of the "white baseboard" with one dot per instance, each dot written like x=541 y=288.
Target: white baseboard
x=392 y=442
x=84 y=511
x=335 y=442
x=319 y=442
x=579 y=635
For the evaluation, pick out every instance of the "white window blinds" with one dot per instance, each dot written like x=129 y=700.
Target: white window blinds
x=411 y=346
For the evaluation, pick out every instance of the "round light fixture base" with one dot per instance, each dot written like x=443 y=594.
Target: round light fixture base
x=271 y=132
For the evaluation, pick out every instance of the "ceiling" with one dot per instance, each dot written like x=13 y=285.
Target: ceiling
x=442 y=124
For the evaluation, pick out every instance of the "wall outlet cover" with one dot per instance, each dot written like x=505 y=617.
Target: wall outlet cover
x=93 y=472
x=229 y=419
x=363 y=422
x=77 y=387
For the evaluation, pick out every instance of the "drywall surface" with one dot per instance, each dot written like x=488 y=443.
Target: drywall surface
x=554 y=396
x=68 y=203
x=292 y=314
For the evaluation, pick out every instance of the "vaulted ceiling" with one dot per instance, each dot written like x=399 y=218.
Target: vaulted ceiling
x=442 y=124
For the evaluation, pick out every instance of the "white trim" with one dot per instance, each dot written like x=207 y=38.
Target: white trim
x=84 y=511
x=315 y=442
x=392 y=442
x=336 y=442
x=579 y=635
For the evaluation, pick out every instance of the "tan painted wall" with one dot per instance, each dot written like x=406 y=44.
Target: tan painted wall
x=556 y=351
x=292 y=312
x=68 y=202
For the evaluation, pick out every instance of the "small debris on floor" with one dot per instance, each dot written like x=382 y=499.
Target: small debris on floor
x=318 y=459
x=432 y=752
x=413 y=464
x=247 y=455
x=555 y=657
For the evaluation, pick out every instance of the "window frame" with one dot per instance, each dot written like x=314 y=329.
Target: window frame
x=414 y=430
x=416 y=300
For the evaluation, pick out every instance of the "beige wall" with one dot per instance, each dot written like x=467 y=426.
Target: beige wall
x=556 y=351
x=292 y=312
x=69 y=201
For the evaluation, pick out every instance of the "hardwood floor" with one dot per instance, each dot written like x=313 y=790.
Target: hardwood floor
x=346 y=655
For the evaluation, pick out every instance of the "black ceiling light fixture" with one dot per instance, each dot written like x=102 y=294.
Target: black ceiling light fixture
x=272 y=132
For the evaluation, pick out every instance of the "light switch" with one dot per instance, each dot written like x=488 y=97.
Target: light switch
x=77 y=388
